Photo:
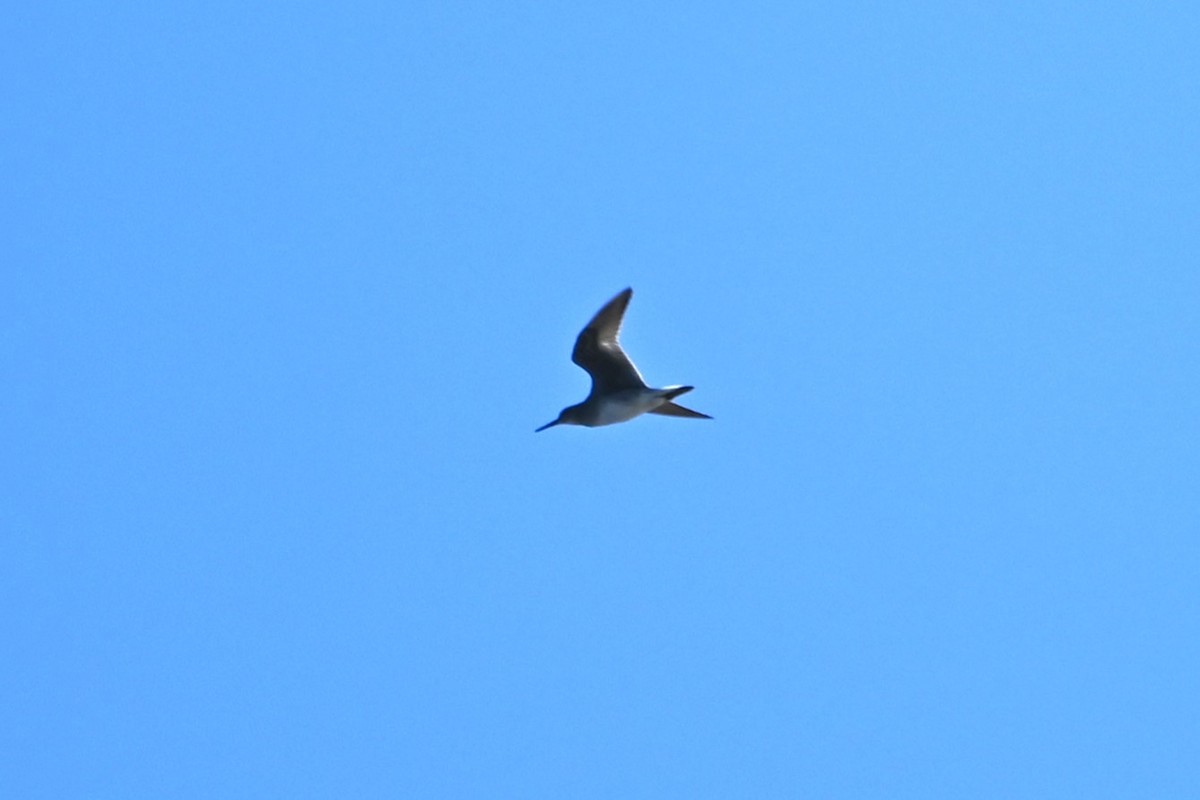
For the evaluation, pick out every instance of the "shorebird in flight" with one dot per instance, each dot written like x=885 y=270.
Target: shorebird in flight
x=618 y=391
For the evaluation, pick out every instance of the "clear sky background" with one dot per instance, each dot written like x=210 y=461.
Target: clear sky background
x=286 y=289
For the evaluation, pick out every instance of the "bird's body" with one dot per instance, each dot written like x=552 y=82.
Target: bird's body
x=618 y=391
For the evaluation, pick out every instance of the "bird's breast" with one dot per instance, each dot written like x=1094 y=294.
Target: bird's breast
x=624 y=406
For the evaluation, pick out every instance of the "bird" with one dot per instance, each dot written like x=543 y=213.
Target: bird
x=618 y=391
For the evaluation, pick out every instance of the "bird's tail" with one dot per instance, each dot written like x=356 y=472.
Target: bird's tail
x=669 y=409
x=671 y=392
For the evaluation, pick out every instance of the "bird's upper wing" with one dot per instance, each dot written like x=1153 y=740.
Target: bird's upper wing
x=598 y=351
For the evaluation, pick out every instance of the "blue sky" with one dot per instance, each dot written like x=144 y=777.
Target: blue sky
x=288 y=287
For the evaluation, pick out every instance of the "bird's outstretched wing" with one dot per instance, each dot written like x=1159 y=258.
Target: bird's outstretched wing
x=598 y=351
x=672 y=410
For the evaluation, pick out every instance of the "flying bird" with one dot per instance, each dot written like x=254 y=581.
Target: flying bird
x=618 y=391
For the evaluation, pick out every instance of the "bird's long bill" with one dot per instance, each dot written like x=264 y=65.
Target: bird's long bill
x=547 y=425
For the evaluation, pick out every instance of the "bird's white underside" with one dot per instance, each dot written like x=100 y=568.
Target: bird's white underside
x=624 y=406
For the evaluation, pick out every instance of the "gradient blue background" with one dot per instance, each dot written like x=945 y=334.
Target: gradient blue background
x=286 y=289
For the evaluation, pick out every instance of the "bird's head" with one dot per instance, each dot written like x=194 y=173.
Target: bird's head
x=568 y=416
